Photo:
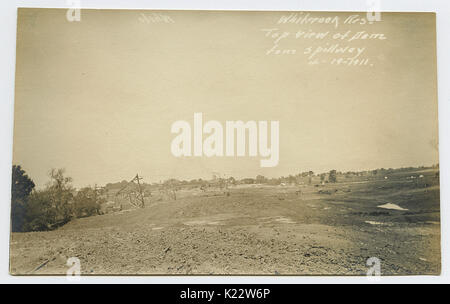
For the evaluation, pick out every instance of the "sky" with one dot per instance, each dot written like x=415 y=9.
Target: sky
x=98 y=97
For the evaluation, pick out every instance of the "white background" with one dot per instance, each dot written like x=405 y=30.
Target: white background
x=8 y=19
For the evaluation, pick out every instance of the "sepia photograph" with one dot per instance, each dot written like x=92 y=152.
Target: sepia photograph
x=200 y=142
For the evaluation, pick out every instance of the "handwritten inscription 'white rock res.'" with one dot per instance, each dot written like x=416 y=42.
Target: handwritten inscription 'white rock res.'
x=213 y=145
x=307 y=19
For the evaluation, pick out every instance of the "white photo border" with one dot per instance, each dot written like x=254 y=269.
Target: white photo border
x=8 y=17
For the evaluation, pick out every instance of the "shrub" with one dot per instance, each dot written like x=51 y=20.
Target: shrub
x=87 y=202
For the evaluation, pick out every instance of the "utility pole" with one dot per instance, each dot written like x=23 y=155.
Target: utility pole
x=140 y=190
x=139 y=195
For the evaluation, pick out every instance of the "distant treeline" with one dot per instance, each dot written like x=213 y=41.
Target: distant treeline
x=306 y=177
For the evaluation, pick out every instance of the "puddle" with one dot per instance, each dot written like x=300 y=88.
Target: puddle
x=284 y=220
x=194 y=223
x=374 y=223
x=157 y=228
x=213 y=223
x=279 y=219
x=391 y=206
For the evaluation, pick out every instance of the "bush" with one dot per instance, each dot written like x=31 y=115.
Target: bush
x=332 y=176
x=40 y=214
x=87 y=202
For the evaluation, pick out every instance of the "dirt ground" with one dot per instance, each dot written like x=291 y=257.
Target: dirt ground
x=256 y=230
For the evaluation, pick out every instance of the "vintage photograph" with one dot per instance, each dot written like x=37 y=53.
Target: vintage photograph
x=180 y=142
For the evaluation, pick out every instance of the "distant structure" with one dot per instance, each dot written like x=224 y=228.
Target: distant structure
x=136 y=198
